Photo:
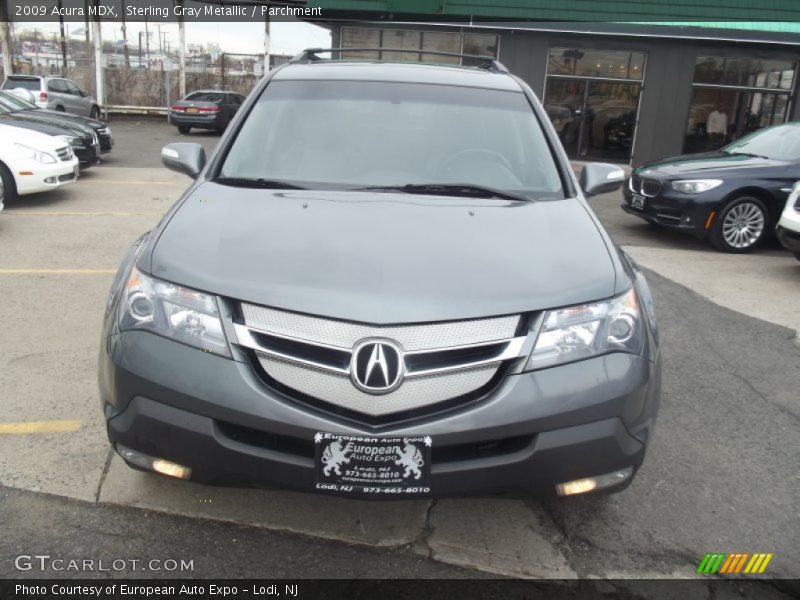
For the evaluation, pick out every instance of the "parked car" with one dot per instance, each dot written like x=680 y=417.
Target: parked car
x=788 y=228
x=56 y=93
x=33 y=162
x=205 y=109
x=387 y=283
x=19 y=106
x=731 y=197
x=83 y=140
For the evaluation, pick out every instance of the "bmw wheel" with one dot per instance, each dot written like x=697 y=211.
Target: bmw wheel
x=741 y=225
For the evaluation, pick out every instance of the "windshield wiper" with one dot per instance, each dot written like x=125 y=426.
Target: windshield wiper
x=750 y=154
x=258 y=182
x=467 y=190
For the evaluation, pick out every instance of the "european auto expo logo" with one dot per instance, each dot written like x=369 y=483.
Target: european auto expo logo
x=721 y=563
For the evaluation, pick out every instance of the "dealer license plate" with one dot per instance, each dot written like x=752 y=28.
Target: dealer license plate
x=350 y=464
x=637 y=202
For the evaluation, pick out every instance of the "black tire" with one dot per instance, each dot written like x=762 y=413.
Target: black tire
x=94 y=113
x=8 y=187
x=183 y=129
x=740 y=226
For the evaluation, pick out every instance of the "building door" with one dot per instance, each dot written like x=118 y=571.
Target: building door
x=592 y=98
x=595 y=119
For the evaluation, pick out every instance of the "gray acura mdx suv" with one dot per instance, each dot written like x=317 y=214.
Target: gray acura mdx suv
x=384 y=283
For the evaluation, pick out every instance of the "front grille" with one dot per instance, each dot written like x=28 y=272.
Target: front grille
x=65 y=153
x=415 y=393
x=67 y=177
x=645 y=186
x=309 y=358
x=650 y=187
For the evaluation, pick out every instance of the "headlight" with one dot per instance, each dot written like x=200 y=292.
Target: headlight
x=579 y=332
x=71 y=140
x=173 y=311
x=695 y=186
x=37 y=155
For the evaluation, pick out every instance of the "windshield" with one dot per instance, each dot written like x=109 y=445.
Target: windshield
x=28 y=84
x=206 y=97
x=359 y=134
x=779 y=143
x=14 y=103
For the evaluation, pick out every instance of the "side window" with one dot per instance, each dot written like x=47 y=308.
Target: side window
x=54 y=85
x=72 y=88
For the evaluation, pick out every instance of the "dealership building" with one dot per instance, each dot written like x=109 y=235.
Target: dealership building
x=671 y=79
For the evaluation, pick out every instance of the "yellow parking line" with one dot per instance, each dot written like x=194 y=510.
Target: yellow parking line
x=107 y=181
x=64 y=426
x=81 y=214
x=57 y=271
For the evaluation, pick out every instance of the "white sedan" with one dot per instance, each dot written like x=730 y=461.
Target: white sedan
x=788 y=228
x=33 y=162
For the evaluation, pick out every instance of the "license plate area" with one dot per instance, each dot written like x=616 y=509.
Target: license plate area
x=361 y=465
x=192 y=110
x=637 y=201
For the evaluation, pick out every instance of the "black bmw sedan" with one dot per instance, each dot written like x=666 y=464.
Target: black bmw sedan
x=23 y=108
x=732 y=197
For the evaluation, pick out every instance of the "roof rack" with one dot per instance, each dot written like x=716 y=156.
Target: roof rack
x=485 y=62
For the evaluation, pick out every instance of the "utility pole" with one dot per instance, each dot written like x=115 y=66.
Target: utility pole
x=86 y=25
x=125 y=37
x=5 y=40
x=266 y=41
x=181 y=54
x=98 y=60
x=63 y=37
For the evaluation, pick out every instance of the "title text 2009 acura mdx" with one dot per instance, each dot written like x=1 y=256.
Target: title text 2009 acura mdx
x=384 y=283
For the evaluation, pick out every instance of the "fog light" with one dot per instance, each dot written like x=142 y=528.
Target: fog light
x=581 y=486
x=50 y=180
x=151 y=463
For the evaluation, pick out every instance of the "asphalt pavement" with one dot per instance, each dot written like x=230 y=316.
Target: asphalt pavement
x=721 y=473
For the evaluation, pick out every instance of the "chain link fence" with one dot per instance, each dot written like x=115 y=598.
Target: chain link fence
x=152 y=83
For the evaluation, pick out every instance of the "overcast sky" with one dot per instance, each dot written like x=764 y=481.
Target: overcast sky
x=245 y=38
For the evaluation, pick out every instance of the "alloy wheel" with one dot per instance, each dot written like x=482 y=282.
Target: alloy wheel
x=743 y=225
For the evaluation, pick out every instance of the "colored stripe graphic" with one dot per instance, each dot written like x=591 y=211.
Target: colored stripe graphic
x=758 y=563
x=723 y=563
x=711 y=562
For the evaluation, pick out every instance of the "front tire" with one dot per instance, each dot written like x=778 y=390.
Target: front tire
x=8 y=187
x=740 y=226
x=183 y=130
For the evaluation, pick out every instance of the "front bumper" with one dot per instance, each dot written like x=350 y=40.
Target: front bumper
x=44 y=177
x=675 y=210
x=216 y=416
x=199 y=120
x=87 y=155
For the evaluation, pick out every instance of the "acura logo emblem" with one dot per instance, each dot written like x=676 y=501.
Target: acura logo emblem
x=377 y=366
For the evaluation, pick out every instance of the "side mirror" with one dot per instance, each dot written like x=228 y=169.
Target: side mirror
x=83 y=94
x=188 y=159
x=600 y=178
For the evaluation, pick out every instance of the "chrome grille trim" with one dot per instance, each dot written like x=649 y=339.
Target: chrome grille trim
x=413 y=394
x=512 y=348
x=345 y=334
x=439 y=361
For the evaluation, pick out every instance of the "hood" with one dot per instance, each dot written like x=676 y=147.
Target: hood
x=707 y=163
x=34 y=125
x=384 y=257
x=67 y=127
x=57 y=116
x=17 y=135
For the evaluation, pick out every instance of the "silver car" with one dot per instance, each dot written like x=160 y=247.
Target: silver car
x=55 y=93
